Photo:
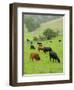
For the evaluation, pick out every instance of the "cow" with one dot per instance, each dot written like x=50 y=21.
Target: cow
x=39 y=43
x=32 y=47
x=35 y=56
x=47 y=49
x=40 y=48
x=59 y=40
x=44 y=49
x=54 y=56
x=27 y=40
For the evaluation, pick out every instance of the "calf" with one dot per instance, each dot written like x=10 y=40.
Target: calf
x=53 y=56
x=35 y=56
x=32 y=47
x=59 y=40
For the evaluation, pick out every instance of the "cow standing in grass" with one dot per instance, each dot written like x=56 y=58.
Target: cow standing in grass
x=60 y=40
x=44 y=49
x=32 y=47
x=28 y=41
x=35 y=56
x=54 y=56
x=47 y=49
x=40 y=47
x=39 y=43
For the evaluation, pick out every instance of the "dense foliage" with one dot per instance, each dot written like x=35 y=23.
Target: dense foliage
x=49 y=33
x=33 y=21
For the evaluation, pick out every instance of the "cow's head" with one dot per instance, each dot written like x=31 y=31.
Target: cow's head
x=37 y=57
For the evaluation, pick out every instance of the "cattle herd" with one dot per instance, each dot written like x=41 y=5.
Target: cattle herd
x=35 y=56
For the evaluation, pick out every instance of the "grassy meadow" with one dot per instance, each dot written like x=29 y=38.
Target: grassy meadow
x=44 y=65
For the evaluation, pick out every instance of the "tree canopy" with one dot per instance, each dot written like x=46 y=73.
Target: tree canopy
x=31 y=23
x=49 y=33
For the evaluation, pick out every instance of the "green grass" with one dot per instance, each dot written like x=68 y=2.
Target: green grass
x=44 y=65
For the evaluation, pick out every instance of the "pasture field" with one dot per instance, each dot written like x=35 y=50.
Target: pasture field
x=44 y=65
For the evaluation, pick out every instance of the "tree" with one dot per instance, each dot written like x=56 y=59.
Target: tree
x=31 y=23
x=49 y=33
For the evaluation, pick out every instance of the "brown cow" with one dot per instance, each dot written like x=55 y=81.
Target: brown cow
x=40 y=47
x=35 y=56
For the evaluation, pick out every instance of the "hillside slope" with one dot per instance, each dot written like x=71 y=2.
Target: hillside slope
x=55 y=25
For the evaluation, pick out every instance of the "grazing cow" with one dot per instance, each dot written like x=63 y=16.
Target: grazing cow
x=27 y=40
x=40 y=48
x=32 y=47
x=59 y=40
x=35 y=56
x=39 y=43
x=47 y=49
x=54 y=56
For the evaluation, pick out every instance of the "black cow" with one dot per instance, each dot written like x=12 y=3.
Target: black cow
x=54 y=56
x=44 y=49
x=32 y=47
x=27 y=40
x=47 y=49
x=39 y=43
x=59 y=40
